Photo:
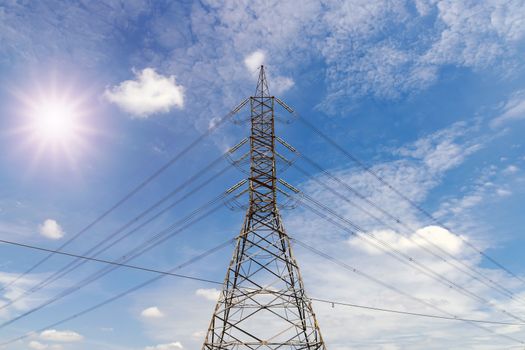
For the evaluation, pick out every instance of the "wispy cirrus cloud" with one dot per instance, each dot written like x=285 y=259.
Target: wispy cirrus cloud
x=382 y=48
x=14 y=286
x=513 y=109
x=427 y=237
x=36 y=345
x=65 y=336
x=169 y=346
x=209 y=294
x=79 y=32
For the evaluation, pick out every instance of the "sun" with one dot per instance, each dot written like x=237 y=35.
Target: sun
x=54 y=121
x=52 y=124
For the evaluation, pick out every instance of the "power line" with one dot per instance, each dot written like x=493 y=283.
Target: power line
x=403 y=196
x=71 y=266
x=159 y=238
x=332 y=302
x=398 y=255
x=132 y=192
x=109 y=262
x=491 y=284
x=418 y=314
x=399 y=291
x=123 y=294
x=194 y=278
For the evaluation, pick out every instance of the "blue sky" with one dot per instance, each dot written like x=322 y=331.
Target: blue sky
x=429 y=93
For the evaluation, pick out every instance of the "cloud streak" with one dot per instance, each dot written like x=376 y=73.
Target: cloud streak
x=61 y=336
x=513 y=110
x=170 y=346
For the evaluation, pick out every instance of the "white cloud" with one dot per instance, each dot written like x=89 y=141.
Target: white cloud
x=40 y=346
x=354 y=40
x=152 y=312
x=12 y=291
x=15 y=229
x=364 y=57
x=428 y=236
x=148 y=94
x=37 y=345
x=170 y=346
x=277 y=84
x=61 y=336
x=383 y=48
x=502 y=192
x=511 y=169
x=199 y=335
x=491 y=184
x=514 y=109
x=210 y=294
x=91 y=24
x=255 y=60
x=440 y=151
x=281 y=84
x=51 y=229
x=416 y=175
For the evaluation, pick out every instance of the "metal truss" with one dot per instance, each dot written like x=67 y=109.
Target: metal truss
x=263 y=303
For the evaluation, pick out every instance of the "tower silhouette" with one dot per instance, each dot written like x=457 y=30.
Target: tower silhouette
x=263 y=304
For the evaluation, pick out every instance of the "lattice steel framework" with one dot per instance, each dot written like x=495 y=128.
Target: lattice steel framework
x=263 y=304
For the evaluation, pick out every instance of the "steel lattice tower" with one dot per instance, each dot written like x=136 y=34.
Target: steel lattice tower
x=263 y=303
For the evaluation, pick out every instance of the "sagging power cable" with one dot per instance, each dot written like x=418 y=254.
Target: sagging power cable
x=119 y=235
x=399 y=291
x=130 y=194
x=124 y=293
x=419 y=208
x=194 y=278
x=458 y=264
x=395 y=253
x=142 y=248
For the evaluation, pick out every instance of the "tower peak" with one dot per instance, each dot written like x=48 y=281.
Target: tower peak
x=262 y=84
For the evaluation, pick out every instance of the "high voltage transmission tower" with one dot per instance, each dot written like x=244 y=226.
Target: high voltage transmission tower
x=263 y=304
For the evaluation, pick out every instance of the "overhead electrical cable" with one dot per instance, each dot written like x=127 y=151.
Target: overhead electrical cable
x=418 y=314
x=130 y=194
x=463 y=267
x=402 y=257
x=419 y=208
x=73 y=265
x=327 y=301
x=399 y=291
x=321 y=300
x=124 y=293
x=142 y=248
x=104 y=261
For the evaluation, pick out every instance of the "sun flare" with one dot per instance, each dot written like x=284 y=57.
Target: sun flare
x=53 y=124
x=54 y=121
